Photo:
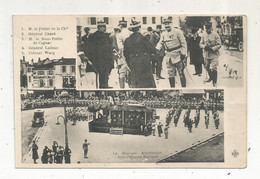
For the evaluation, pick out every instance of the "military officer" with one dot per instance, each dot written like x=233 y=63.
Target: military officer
x=176 y=50
x=122 y=65
x=216 y=118
x=207 y=120
x=211 y=43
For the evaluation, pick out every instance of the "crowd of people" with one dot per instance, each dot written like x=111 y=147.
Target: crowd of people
x=139 y=55
x=150 y=100
x=173 y=117
x=54 y=155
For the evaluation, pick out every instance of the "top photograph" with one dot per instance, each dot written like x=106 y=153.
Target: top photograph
x=155 y=51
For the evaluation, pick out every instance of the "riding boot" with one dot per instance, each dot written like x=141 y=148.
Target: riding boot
x=214 y=77
x=172 y=82
x=122 y=82
x=183 y=80
x=210 y=76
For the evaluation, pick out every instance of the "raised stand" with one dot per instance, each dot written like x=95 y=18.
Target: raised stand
x=116 y=130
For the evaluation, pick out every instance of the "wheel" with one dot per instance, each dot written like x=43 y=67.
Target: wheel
x=240 y=46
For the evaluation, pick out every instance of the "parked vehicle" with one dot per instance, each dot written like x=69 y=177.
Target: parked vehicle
x=235 y=40
x=38 y=118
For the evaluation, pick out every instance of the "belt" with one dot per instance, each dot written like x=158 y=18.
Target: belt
x=172 y=49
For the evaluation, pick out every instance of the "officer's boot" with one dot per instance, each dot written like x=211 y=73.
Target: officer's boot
x=215 y=76
x=183 y=80
x=158 y=72
x=210 y=76
x=122 y=82
x=172 y=82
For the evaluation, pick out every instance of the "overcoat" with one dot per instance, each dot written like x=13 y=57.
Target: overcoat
x=196 y=56
x=100 y=51
x=138 y=50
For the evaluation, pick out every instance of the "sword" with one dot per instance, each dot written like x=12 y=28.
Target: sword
x=87 y=59
x=82 y=56
x=185 y=67
x=117 y=54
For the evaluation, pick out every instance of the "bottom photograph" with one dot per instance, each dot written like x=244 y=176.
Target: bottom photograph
x=129 y=126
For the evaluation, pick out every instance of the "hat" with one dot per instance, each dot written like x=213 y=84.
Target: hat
x=134 y=24
x=149 y=29
x=167 y=20
x=101 y=23
x=86 y=29
x=122 y=22
x=208 y=25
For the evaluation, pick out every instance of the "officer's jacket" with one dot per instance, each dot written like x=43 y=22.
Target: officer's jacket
x=173 y=39
x=121 y=37
x=214 y=41
x=174 y=43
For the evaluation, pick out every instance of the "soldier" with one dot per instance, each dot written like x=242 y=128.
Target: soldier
x=159 y=128
x=186 y=118
x=137 y=50
x=176 y=51
x=211 y=43
x=166 y=131
x=100 y=53
x=122 y=65
x=189 y=124
x=216 y=118
x=207 y=119
x=197 y=119
x=153 y=127
x=85 y=148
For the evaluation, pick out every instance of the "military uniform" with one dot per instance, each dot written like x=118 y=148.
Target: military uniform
x=211 y=43
x=175 y=46
x=122 y=66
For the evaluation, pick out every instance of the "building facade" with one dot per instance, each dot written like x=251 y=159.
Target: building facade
x=51 y=76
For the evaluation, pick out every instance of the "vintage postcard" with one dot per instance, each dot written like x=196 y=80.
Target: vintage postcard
x=130 y=91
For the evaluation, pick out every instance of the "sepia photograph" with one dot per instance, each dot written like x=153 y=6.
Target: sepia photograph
x=123 y=52
x=149 y=126
x=130 y=91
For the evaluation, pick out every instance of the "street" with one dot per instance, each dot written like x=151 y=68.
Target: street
x=231 y=57
x=107 y=148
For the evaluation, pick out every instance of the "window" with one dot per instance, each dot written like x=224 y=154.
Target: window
x=93 y=21
x=106 y=19
x=72 y=69
x=50 y=82
x=153 y=20
x=161 y=20
x=69 y=82
x=30 y=79
x=29 y=70
x=50 y=72
x=34 y=72
x=40 y=72
x=63 y=69
x=42 y=84
x=144 y=20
